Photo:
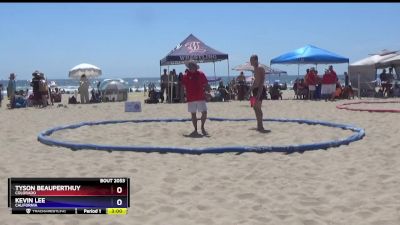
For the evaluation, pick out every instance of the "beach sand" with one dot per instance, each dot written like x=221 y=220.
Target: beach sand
x=357 y=184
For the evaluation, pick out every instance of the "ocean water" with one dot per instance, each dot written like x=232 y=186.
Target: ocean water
x=138 y=83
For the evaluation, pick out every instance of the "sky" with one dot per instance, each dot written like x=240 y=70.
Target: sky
x=130 y=39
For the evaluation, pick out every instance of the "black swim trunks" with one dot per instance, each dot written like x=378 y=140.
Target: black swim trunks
x=263 y=93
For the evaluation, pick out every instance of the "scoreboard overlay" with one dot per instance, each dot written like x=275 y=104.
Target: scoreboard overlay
x=69 y=195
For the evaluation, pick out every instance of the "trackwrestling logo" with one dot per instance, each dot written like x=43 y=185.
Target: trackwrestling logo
x=194 y=46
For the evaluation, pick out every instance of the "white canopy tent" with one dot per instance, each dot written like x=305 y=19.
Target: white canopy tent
x=362 y=74
x=392 y=62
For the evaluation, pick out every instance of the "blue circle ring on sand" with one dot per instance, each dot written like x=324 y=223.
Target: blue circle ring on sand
x=358 y=134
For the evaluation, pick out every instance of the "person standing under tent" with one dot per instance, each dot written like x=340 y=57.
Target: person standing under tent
x=346 y=79
x=329 y=84
x=181 y=94
x=174 y=86
x=334 y=79
x=170 y=86
x=311 y=81
x=164 y=85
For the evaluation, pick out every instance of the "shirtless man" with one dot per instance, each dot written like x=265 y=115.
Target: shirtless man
x=258 y=91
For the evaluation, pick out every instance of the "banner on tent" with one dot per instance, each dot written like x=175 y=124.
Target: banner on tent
x=197 y=57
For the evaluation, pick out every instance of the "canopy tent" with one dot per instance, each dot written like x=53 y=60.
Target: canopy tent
x=363 y=73
x=88 y=69
x=392 y=62
x=309 y=54
x=194 y=49
x=248 y=67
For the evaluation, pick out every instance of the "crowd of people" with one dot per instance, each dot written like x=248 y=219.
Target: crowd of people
x=41 y=96
x=311 y=86
x=172 y=89
x=171 y=85
x=327 y=87
x=387 y=85
x=193 y=88
x=44 y=94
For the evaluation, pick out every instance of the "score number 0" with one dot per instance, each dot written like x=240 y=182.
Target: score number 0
x=119 y=191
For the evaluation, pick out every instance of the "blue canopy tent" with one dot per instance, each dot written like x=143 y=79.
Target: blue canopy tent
x=309 y=55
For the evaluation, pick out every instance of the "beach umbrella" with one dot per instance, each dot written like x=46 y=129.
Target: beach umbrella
x=52 y=84
x=89 y=70
x=248 y=67
x=37 y=73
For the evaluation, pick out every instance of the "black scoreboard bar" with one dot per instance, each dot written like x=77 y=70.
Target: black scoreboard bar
x=69 y=195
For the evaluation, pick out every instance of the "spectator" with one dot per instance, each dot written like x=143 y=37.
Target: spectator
x=311 y=81
x=84 y=89
x=164 y=85
x=346 y=79
x=11 y=89
x=223 y=91
x=241 y=86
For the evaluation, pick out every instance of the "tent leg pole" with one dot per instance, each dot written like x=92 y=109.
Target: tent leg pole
x=160 y=79
x=215 y=76
x=270 y=66
x=229 y=79
x=298 y=70
x=359 y=89
x=169 y=92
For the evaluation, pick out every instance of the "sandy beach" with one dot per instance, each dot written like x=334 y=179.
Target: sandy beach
x=357 y=184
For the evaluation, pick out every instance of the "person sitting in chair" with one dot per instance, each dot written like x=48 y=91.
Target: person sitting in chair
x=153 y=96
x=95 y=97
x=56 y=95
x=275 y=92
x=72 y=100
